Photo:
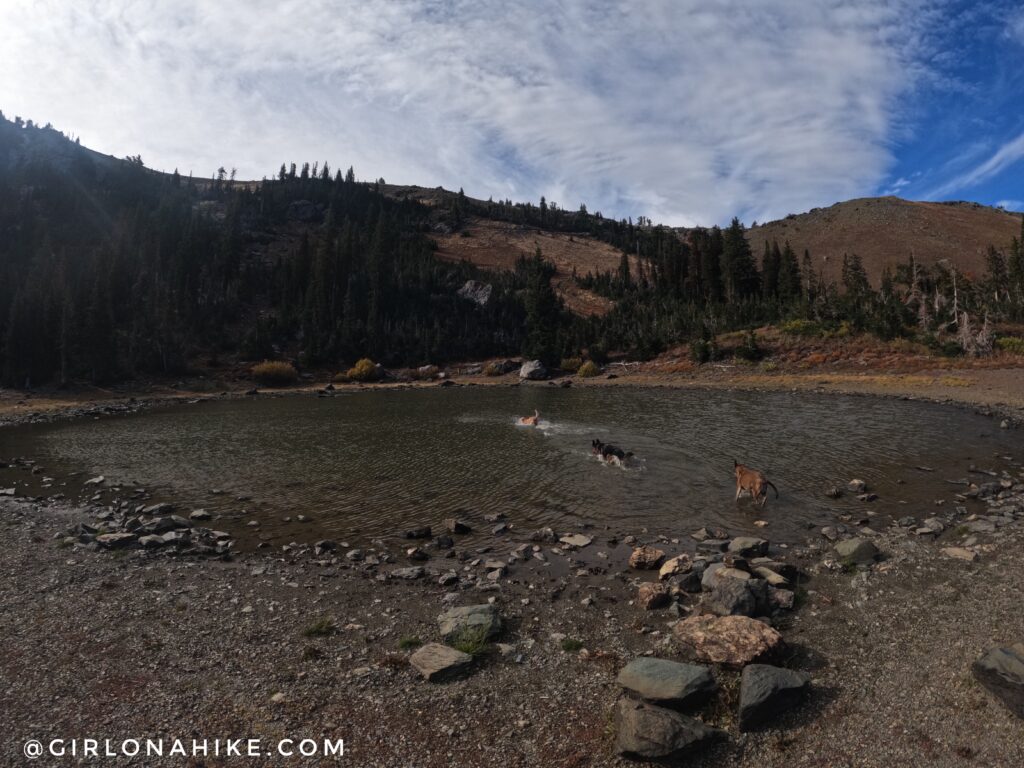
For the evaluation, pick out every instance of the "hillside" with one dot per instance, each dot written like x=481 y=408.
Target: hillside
x=886 y=230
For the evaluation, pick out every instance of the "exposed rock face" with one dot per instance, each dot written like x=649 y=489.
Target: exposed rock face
x=653 y=595
x=471 y=619
x=646 y=558
x=652 y=733
x=856 y=551
x=767 y=691
x=1001 y=671
x=667 y=683
x=438 y=663
x=533 y=370
x=477 y=292
x=733 y=641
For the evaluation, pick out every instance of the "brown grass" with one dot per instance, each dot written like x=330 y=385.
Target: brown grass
x=275 y=373
x=886 y=230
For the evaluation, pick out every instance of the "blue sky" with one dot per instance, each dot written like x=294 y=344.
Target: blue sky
x=687 y=111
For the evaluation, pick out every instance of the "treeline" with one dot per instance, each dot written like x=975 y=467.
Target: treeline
x=711 y=283
x=109 y=270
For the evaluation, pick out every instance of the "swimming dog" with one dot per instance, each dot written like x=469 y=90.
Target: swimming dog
x=530 y=421
x=609 y=453
x=754 y=482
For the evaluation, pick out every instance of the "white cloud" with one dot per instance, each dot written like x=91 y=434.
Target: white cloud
x=683 y=110
x=1011 y=205
x=1007 y=155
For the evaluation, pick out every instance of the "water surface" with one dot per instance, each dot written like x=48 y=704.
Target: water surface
x=370 y=463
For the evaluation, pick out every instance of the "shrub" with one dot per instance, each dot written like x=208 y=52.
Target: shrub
x=341 y=378
x=598 y=353
x=363 y=370
x=275 y=373
x=408 y=643
x=749 y=349
x=1012 y=344
x=801 y=328
x=571 y=364
x=571 y=645
x=472 y=640
x=320 y=628
x=588 y=369
x=494 y=369
x=703 y=351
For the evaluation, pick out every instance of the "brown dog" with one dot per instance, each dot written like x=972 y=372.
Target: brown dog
x=753 y=482
x=530 y=421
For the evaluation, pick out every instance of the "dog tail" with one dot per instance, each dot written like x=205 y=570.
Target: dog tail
x=769 y=482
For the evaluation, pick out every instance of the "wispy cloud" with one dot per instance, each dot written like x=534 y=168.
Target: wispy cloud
x=1011 y=205
x=683 y=110
x=1003 y=158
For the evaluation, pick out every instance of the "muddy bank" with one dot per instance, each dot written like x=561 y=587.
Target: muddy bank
x=315 y=641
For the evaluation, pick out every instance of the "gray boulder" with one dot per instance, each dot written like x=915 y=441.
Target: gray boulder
x=766 y=691
x=652 y=733
x=469 y=620
x=667 y=683
x=533 y=370
x=1001 y=671
x=438 y=663
x=738 y=597
x=856 y=551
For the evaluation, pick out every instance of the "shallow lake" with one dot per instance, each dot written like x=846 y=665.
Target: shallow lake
x=368 y=463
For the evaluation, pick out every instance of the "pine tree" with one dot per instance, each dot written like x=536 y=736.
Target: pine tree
x=740 y=271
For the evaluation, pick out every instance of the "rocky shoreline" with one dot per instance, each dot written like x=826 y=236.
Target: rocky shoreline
x=616 y=621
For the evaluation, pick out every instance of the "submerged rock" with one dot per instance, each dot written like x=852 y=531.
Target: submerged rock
x=767 y=691
x=652 y=733
x=577 y=540
x=667 y=683
x=748 y=546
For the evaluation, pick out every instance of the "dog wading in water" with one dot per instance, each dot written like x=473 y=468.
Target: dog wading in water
x=754 y=482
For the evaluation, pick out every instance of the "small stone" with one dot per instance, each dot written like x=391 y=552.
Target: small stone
x=766 y=691
x=667 y=683
x=748 y=546
x=408 y=574
x=1001 y=672
x=577 y=540
x=438 y=663
x=116 y=540
x=98 y=480
x=471 y=619
x=652 y=595
x=960 y=553
x=354 y=555
x=857 y=486
x=422 y=532
x=646 y=558
x=733 y=641
x=856 y=551
x=200 y=514
x=675 y=566
x=416 y=554
x=453 y=525
x=646 y=732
